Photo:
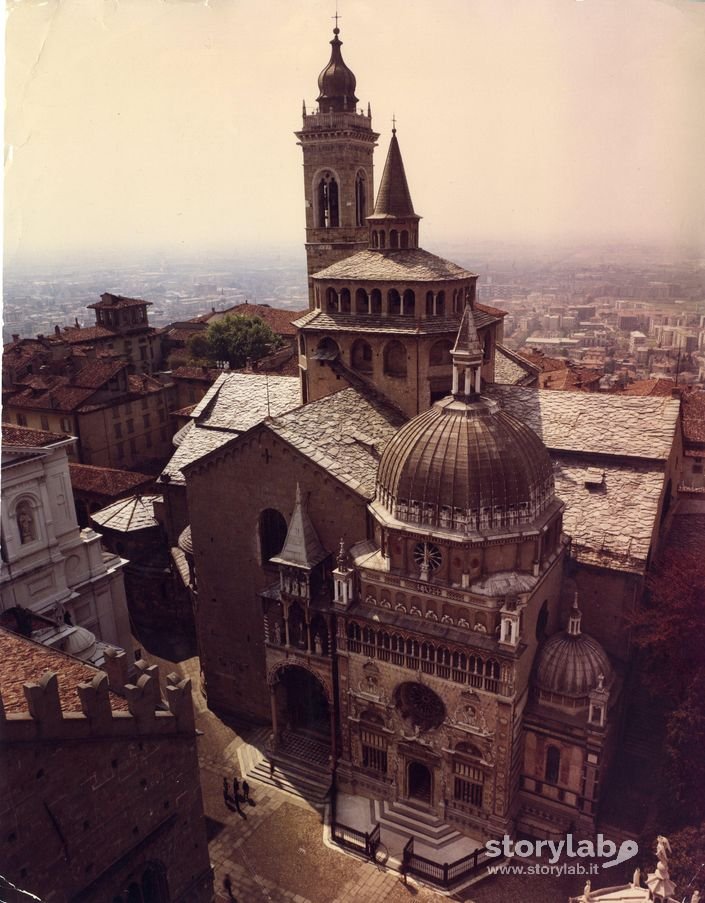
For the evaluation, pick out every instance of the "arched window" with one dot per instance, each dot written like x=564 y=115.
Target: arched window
x=553 y=764
x=440 y=304
x=375 y=301
x=394 y=239
x=375 y=239
x=302 y=344
x=542 y=621
x=361 y=356
x=327 y=195
x=154 y=884
x=272 y=533
x=360 y=199
x=395 y=359
x=345 y=301
x=382 y=238
x=404 y=239
x=362 y=301
x=394 y=301
x=331 y=299
x=440 y=353
x=327 y=349
x=409 y=303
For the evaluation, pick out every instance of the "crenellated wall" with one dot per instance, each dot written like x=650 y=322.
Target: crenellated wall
x=93 y=794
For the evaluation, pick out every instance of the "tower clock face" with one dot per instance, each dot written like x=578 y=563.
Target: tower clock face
x=428 y=555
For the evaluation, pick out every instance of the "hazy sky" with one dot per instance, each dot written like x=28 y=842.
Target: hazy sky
x=142 y=123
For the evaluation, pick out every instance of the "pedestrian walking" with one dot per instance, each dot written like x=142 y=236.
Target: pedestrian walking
x=228 y=885
x=246 y=791
x=236 y=787
x=271 y=768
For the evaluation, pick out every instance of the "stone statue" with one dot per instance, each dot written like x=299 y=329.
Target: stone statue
x=277 y=633
x=317 y=644
x=663 y=849
x=587 y=890
x=25 y=523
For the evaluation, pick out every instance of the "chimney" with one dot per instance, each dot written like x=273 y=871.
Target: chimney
x=40 y=336
x=15 y=338
x=57 y=330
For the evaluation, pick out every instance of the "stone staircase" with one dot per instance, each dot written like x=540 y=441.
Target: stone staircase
x=433 y=837
x=301 y=767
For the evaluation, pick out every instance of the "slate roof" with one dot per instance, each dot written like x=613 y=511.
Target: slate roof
x=393 y=196
x=234 y=403
x=128 y=515
x=611 y=525
x=512 y=369
x=694 y=416
x=325 y=321
x=344 y=433
x=407 y=265
x=107 y=481
x=594 y=423
x=24 y=661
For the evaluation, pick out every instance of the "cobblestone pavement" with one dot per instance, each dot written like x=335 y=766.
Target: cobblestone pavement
x=274 y=852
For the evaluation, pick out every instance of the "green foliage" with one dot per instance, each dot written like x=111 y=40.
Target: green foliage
x=235 y=339
x=688 y=859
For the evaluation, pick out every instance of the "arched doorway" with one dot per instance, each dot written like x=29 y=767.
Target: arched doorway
x=301 y=704
x=419 y=782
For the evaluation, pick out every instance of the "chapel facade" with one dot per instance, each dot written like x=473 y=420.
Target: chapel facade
x=380 y=573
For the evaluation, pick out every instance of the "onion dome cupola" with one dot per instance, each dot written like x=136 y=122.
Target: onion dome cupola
x=394 y=224
x=571 y=665
x=466 y=464
x=336 y=83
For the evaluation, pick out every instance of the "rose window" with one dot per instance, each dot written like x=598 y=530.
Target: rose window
x=418 y=704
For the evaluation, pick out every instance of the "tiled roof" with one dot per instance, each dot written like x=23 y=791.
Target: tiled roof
x=106 y=481
x=279 y=319
x=128 y=515
x=324 y=321
x=512 y=369
x=24 y=661
x=611 y=525
x=61 y=398
x=488 y=309
x=143 y=384
x=393 y=195
x=96 y=373
x=235 y=403
x=87 y=334
x=544 y=363
x=203 y=374
x=183 y=333
x=23 y=437
x=659 y=386
x=344 y=433
x=402 y=266
x=694 y=415
x=570 y=379
x=594 y=423
x=110 y=301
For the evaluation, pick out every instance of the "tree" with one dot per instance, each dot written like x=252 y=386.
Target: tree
x=235 y=339
x=670 y=632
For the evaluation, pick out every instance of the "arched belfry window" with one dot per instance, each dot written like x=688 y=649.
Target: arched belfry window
x=360 y=199
x=272 y=533
x=328 y=205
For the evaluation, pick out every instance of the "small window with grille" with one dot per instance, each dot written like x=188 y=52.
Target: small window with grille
x=374 y=751
x=468 y=784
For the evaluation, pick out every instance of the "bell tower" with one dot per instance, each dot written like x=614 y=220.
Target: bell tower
x=338 y=145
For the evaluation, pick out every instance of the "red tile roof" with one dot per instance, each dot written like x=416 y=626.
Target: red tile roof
x=279 y=319
x=660 y=386
x=97 y=373
x=23 y=661
x=203 y=374
x=58 y=398
x=694 y=415
x=108 y=300
x=75 y=335
x=107 y=481
x=23 y=437
x=493 y=311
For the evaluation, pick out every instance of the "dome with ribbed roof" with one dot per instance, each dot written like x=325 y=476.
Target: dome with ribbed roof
x=336 y=83
x=466 y=464
x=571 y=663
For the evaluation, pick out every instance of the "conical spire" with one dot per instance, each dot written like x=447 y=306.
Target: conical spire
x=336 y=83
x=467 y=358
x=394 y=197
x=302 y=547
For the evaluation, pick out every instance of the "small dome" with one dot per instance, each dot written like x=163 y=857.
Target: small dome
x=466 y=465
x=81 y=643
x=185 y=541
x=336 y=83
x=570 y=663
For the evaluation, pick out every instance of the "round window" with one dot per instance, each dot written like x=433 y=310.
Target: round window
x=427 y=556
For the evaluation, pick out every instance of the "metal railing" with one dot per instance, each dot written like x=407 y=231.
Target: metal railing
x=448 y=873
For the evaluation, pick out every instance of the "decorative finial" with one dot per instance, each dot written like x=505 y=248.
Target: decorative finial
x=336 y=30
x=394 y=124
x=342 y=557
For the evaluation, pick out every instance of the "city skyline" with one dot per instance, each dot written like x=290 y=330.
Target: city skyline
x=135 y=127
